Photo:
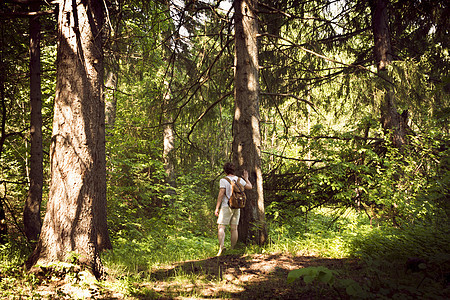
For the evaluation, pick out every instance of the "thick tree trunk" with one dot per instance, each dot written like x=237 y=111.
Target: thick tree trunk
x=391 y=120
x=75 y=221
x=32 y=208
x=246 y=130
x=381 y=34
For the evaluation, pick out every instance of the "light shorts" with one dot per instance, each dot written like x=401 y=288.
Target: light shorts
x=228 y=216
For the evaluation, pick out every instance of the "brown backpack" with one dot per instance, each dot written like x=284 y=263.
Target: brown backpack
x=238 y=197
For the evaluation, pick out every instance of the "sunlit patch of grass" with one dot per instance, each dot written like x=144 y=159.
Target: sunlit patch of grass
x=324 y=233
x=140 y=255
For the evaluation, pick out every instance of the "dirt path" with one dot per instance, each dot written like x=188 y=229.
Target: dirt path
x=246 y=277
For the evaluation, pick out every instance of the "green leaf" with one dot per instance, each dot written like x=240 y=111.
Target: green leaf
x=295 y=274
x=325 y=276
x=308 y=279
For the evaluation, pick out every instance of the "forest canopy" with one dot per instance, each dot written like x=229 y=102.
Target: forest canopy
x=336 y=108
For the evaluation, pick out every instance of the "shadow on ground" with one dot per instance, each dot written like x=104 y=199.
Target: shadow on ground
x=248 y=277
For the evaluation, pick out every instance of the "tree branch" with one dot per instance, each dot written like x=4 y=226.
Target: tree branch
x=293 y=96
x=340 y=138
x=324 y=57
x=293 y=158
x=29 y=14
x=205 y=112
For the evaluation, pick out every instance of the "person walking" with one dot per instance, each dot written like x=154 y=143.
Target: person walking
x=226 y=215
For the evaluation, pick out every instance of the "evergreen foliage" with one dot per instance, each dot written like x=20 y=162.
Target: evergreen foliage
x=334 y=184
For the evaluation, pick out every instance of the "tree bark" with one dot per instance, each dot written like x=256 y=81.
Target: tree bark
x=75 y=221
x=111 y=100
x=381 y=34
x=167 y=114
x=391 y=120
x=32 y=208
x=3 y=226
x=169 y=139
x=246 y=129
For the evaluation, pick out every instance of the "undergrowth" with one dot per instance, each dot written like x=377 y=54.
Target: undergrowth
x=383 y=251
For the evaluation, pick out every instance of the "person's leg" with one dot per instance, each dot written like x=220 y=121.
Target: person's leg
x=234 y=226
x=221 y=237
x=234 y=235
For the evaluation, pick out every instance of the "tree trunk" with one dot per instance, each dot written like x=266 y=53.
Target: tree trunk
x=246 y=131
x=168 y=137
x=167 y=114
x=112 y=68
x=391 y=120
x=75 y=221
x=32 y=208
x=3 y=227
x=111 y=99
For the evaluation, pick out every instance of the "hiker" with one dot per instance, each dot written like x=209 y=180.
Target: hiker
x=226 y=215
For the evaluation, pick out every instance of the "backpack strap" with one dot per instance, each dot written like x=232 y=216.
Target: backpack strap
x=231 y=183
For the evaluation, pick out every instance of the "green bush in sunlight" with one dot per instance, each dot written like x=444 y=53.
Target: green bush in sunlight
x=323 y=232
x=400 y=244
x=151 y=250
x=14 y=252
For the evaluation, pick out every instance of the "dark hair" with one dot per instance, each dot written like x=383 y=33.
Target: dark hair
x=228 y=168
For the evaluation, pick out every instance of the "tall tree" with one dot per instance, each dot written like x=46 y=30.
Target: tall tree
x=167 y=118
x=32 y=208
x=168 y=136
x=246 y=128
x=75 y=221
x=3 y=227
x=391 y=120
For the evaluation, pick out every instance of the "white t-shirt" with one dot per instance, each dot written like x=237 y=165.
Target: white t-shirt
x=224 y=184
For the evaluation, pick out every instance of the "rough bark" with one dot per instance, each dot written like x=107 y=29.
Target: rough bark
x=381 y=34
x=75 y=221
x=32 y=208
x=391 y=120
x=246 y=129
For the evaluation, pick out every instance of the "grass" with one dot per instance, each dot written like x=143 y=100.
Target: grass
x=382 y=250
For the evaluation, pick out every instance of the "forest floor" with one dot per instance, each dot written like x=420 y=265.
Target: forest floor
x=230 y=276
x=256 y=276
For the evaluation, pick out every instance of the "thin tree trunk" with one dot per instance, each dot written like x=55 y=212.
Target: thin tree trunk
x=3 y=226
x=32 y=208
x=246 y=129
x=111 y=101
x=167 y=115
x=112 y=68
x=168 y=137
x=75 y=221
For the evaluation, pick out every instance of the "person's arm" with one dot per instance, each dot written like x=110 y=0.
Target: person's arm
x=248 y=184
x=219 y=201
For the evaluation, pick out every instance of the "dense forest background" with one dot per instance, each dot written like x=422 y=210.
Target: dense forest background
x=353 y=105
